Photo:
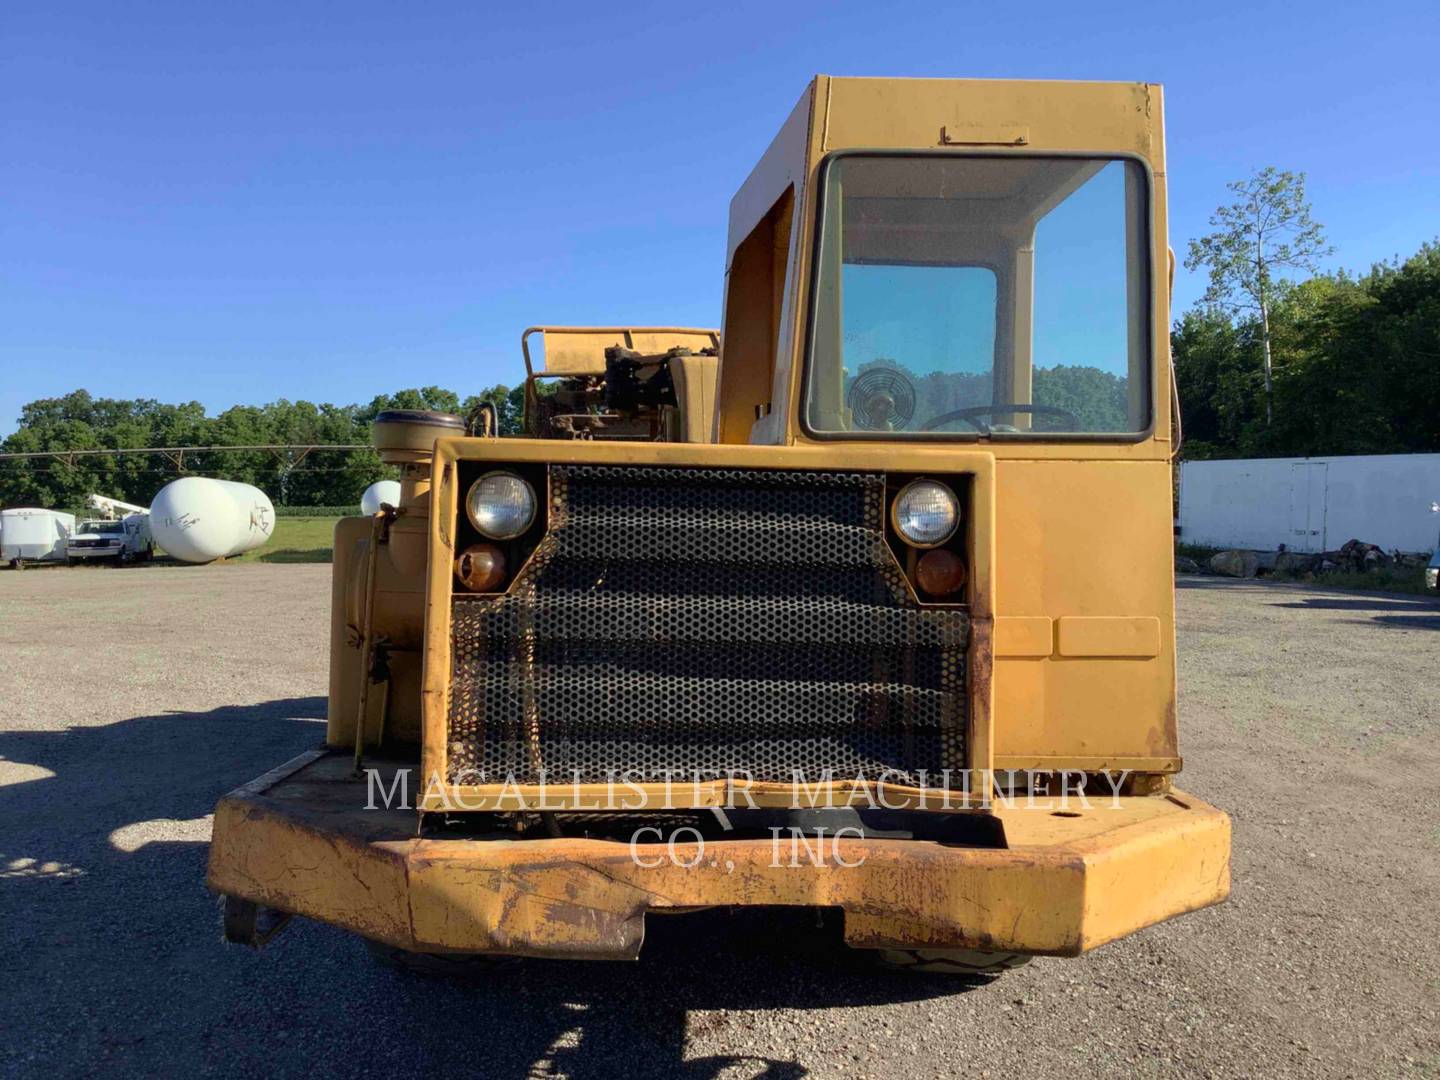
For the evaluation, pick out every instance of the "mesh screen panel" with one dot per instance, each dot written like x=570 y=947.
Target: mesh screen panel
x=677 y=621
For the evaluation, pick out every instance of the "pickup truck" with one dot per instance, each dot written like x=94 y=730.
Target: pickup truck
x=123 y=541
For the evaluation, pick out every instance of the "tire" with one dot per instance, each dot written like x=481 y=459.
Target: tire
x=467 y=966
x=962 y=962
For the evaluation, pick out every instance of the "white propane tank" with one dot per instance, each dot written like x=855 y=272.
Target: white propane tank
x=382 y=491
x=198 y=520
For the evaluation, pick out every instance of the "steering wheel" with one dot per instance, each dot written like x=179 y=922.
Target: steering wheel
x=971 y=416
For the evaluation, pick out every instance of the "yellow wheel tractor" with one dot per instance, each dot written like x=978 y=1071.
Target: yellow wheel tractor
x=864 y=604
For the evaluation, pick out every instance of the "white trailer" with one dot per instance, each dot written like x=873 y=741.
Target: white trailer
x=1311 y=504
x=31 y=535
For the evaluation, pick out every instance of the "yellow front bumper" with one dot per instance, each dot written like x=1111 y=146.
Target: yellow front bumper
x=299 y=840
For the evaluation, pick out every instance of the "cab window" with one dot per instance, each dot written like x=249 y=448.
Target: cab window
x=972 y=297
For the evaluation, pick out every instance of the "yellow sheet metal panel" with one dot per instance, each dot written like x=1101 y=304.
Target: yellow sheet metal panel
x=351 y=541
x=1019 y=636
x=782 y=165
x=778 y=179
x=292 y=858
x=1087 y=540
x=580 y=350
x=1047 y=115
x=398 y=620
x=695 y=380
x=575 y=352
x=1136 y=636
x=1180 y=865
x=756 y=308
x=644 y=340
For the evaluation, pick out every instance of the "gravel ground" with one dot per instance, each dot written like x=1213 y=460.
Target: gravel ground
x=130 y=700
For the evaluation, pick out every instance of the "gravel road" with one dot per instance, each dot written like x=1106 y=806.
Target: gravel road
x=131 y=699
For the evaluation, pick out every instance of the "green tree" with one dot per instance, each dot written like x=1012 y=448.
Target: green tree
x=1401 y=331
x=1096 y=397
x=509 y=403
x=1218 y=381
x=1357 y=367
x=1266 y=233
x=425 y=397
x=1326 y=389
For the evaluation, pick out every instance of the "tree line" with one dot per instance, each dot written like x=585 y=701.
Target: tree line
x=1354 y=367
x=1274 y=363
x=78 y=421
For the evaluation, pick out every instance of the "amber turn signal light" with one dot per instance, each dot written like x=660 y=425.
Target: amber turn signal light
x=940 y=572
x=480 y=567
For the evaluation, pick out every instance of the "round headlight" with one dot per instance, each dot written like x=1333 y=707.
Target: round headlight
x=500 y=505
x=925 y=513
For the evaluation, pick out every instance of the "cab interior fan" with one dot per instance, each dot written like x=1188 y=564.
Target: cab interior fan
x=881 y=399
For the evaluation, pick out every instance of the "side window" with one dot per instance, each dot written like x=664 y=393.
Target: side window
x=754 y=308
x=1082 y=347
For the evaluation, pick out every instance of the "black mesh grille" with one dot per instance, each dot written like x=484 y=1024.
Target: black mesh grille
x=680 y=621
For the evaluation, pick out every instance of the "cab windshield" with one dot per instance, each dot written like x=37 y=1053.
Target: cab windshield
x=969 y=297
x=105 y=527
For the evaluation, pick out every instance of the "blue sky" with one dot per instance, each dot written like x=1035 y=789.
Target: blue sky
x=237 y=203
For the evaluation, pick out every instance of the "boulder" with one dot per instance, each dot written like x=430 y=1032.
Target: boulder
x=1186 y=565
x=1295 y=562
x=1241 y=564
x=1358 y=555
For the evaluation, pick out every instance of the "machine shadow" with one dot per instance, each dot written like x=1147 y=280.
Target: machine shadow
x=1365 y=602
x=1404 y=609
x=103 y=834
x=1193 y=581
x=705 y=976
x=1406 y=622
x=1400 y=613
